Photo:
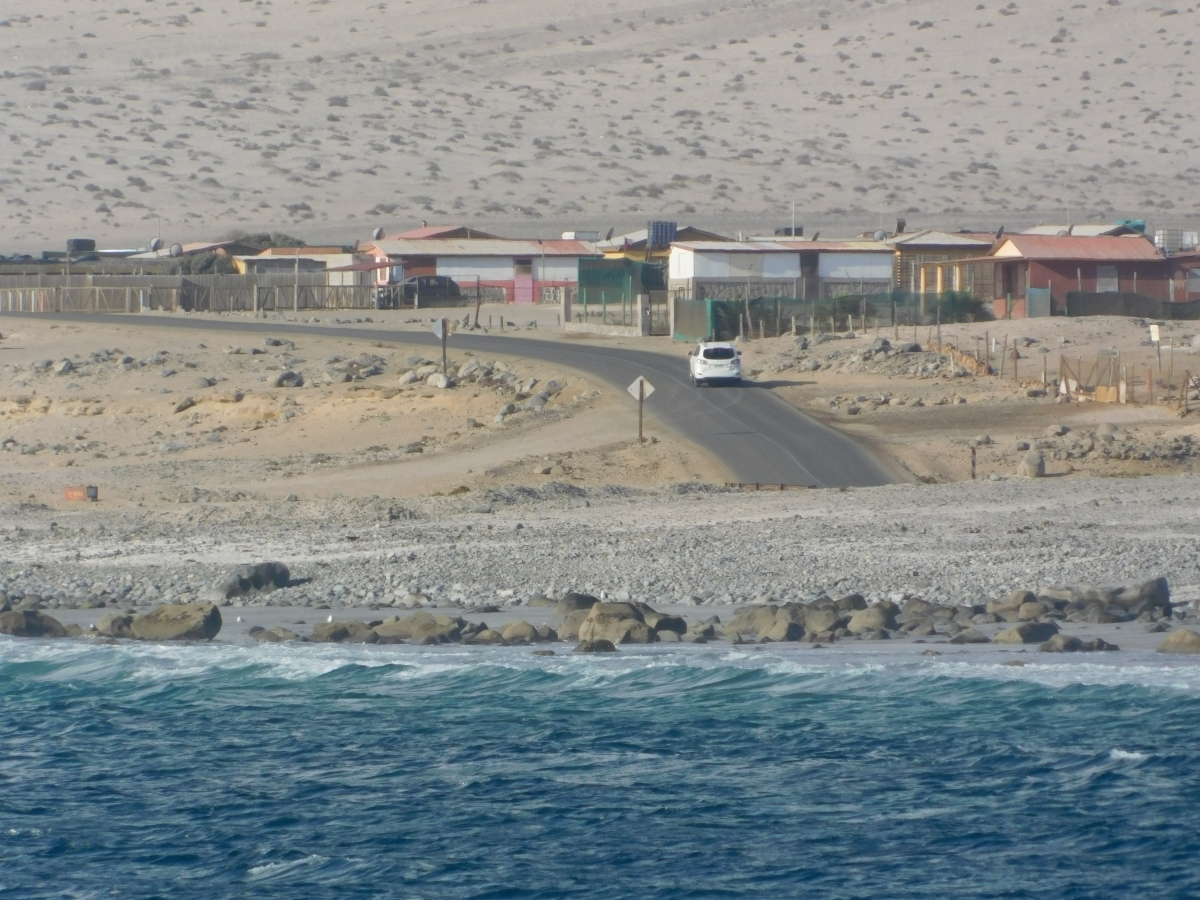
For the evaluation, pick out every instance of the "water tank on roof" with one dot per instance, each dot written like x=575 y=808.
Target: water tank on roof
x=1168 y=240
x=1135 y=224
x=81 y=245
x=662 y=234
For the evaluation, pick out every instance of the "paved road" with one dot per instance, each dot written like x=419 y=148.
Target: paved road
x=754 y=434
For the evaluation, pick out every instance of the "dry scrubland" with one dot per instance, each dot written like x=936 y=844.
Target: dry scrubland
x=153 y=416
x=923 y=411
x=331 y=118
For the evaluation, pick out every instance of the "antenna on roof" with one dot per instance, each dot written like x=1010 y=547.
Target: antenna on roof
x=156 y=244
x=176 y=251
x=880 y=235
x=1000 y=233
x=377 y=233
x=816 y=235
x=608 y=237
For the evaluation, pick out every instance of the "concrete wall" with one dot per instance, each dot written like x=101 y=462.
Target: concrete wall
x=852 y=266
x=465 y=269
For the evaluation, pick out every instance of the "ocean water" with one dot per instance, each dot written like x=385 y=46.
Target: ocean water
x=219 y=771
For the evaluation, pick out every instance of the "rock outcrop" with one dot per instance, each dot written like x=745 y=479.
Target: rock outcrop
x=619 y=623
x=258 y=578
x=1183 y=641
x=178 y=622
x=30 y=623
x=597 y=646
x=1027 y=633
x=116 y=625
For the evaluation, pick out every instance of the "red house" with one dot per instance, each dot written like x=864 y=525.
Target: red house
x=1062 y=263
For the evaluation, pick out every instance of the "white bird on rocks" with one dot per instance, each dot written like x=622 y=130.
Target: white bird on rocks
x=329 y=619
x=239 y=618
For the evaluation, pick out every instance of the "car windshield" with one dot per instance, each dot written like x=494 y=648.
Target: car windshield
x=719 y=353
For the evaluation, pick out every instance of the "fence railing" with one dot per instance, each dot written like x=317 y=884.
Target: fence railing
x=201 y=293
x=772 y=316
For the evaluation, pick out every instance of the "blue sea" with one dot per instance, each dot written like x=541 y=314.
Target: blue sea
x=223 y=771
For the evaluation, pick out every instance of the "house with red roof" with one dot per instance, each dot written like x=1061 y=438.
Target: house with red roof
x=493 y=269
x=1033 y=273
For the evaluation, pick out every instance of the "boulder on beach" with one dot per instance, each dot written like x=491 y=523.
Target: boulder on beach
x=1062 y=643
x=783 y=632
x=1183 y=641
x=262 y=577
x=1030 y=611
x=30 y=623
x=822 y=619
x=755 y=619
x=115 y=625
x=519 y=633
x=486 y=636
x=276 y=635
x=873 y=618
x=1122 y=602
x=1011 y=602
x=848 y=603
x=661 y=622
x=568 y=628
x=422 y=628
x=350 y=632
x=570 y=603
x=620 y=623
x=1027 y=633
x=1154 y=594
x=178 y=622
x=970 y=636
x=596 y=646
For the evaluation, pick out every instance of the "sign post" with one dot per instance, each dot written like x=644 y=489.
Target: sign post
x=640 y=390
x=1155 y=339
x=441 y=328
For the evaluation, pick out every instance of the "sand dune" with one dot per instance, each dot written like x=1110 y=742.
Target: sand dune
x=330 y=118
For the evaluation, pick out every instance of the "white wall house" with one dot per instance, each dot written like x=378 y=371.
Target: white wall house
x=526 y=271
x=764 y=268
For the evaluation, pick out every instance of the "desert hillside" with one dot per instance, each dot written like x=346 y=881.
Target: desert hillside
x=331 y=118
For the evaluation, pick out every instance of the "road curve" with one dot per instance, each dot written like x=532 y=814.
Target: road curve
x=754 y=434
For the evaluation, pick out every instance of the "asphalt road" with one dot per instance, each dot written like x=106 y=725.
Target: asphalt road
x=754 y=434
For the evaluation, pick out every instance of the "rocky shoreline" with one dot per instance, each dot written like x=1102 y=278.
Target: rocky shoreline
x=596 y=625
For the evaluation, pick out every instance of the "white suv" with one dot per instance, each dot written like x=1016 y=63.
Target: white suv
x=711 y=362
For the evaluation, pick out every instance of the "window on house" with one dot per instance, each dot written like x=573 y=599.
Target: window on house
x=522 y=267
x=1106 y=280
x=1193 y=281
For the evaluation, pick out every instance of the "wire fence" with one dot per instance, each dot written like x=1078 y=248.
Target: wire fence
x=271 y=291
x=723 y=320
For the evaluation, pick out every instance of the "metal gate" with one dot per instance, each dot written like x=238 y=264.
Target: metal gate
x=660 y=313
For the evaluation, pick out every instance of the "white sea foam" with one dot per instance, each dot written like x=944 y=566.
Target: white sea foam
x=272 y=870
x=60 y=661
x=1132 y=755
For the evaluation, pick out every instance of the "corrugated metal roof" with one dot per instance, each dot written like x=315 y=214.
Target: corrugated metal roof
x=1078 y=230
x=939 y=239
x=478 y=247
x=639 y=237
x=1037 y=246
x=782 y=246
x=442 y=231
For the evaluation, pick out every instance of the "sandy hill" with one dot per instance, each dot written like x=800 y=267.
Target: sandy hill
x=329 y=118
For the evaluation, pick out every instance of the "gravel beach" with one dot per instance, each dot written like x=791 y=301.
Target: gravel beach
x=689 y=545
